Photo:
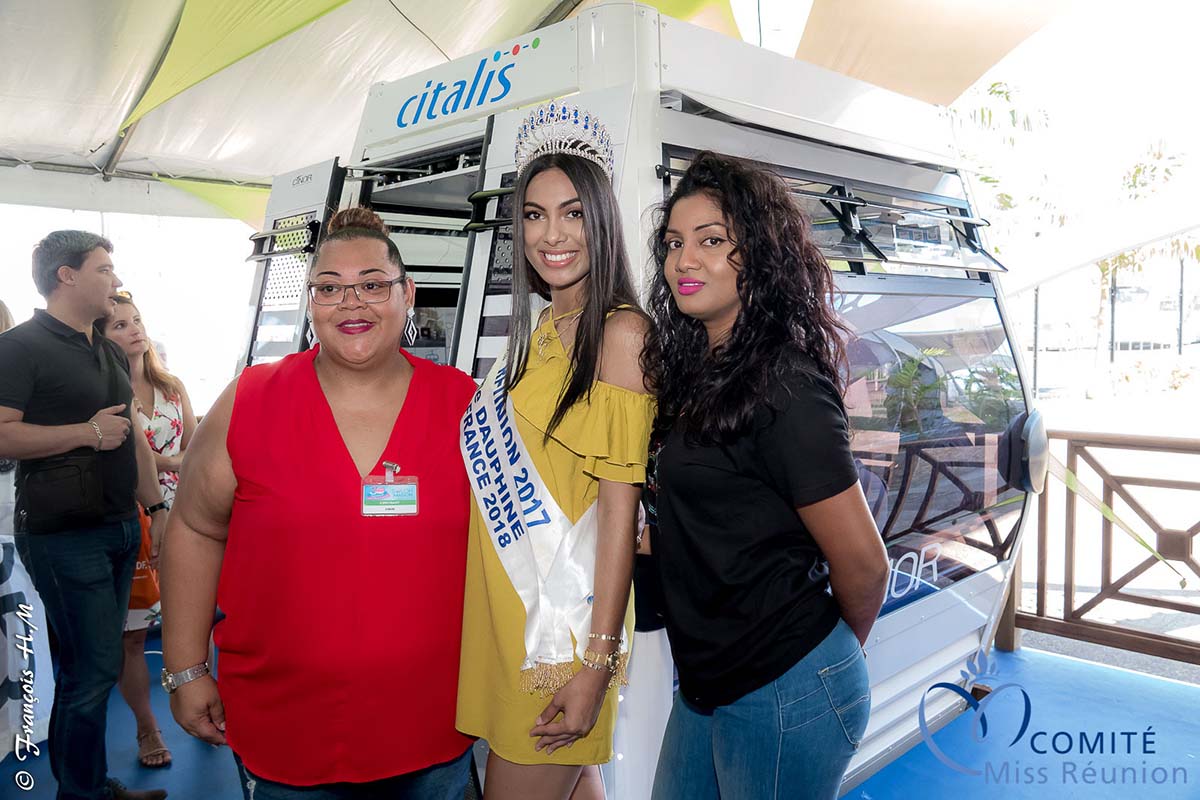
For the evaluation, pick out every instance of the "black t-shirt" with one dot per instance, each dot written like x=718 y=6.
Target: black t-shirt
x=744 y=583
x=647 y=586
x=55 y=376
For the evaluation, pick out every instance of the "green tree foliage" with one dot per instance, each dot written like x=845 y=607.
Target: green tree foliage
x=910 y=389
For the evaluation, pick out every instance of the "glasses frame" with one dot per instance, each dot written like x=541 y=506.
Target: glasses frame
x=355 y=287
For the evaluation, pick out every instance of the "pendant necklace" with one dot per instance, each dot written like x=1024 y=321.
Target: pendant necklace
x=545 y=336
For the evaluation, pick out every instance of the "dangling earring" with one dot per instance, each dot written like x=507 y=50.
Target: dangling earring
x=410 y=329
x=310 y=333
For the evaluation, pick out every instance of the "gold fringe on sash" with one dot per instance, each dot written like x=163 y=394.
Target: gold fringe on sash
x=547 y=679
x=620 y=677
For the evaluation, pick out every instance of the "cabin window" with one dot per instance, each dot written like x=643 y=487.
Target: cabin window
x=933 y=400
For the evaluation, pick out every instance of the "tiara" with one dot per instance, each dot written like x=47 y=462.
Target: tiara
x=558 y=128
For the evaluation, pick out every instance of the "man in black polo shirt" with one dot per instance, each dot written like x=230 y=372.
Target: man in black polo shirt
x=65 y=401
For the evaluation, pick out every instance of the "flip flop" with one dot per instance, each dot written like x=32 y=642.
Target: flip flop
x=151 y=744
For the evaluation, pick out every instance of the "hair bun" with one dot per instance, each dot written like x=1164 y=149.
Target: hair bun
x=359 y=217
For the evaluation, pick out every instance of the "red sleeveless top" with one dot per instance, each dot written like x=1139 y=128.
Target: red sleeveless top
x=339 y=652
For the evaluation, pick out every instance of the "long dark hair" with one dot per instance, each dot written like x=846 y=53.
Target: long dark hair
x=786 y=321
x=608 y=281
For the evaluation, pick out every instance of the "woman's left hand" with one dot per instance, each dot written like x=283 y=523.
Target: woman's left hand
x=158 y=527
x=579 y=702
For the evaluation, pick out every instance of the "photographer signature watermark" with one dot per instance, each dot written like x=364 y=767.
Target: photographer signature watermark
x=23 y=744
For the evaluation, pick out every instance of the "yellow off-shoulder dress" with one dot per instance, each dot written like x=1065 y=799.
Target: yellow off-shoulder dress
x=606 y=438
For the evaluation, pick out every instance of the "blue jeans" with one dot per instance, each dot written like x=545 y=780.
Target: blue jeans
x=83 y=577
x=446 y=781
x=792 y=738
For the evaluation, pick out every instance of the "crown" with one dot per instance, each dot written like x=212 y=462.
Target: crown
x=559 y=128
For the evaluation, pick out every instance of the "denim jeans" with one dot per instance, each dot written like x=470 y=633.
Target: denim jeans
x=446 y=781
x=792 y=738
x=83 y=578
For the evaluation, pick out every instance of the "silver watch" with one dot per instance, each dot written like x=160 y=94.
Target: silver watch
x=173 y=680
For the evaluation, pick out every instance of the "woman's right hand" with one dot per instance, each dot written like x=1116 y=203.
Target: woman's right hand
x=198 y=709
x=643 y=545
x=579 y=702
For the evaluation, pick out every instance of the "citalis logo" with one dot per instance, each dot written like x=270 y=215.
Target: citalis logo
x=490 y=78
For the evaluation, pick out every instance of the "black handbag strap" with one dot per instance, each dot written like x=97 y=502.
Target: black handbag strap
x=109 y=369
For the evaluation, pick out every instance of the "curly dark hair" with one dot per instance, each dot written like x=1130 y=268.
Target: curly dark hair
x=786 y=321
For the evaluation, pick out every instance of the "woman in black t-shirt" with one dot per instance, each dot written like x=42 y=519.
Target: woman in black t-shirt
x=772 y=570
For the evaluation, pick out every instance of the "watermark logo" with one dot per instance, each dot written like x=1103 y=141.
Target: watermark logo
x=1064 y=756
x=978 y=666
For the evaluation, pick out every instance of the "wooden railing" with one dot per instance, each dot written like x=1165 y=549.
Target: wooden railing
x=1177 y=546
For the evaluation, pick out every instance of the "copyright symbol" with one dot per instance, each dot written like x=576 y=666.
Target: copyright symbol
x=24 y=781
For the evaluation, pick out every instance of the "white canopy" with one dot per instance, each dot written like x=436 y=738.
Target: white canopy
x=235 y=91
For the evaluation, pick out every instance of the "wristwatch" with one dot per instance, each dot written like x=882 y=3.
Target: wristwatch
x=156 y=507
x=173 y=680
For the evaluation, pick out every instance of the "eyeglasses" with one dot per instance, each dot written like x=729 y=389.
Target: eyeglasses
x=332 y=294
x=127 y=295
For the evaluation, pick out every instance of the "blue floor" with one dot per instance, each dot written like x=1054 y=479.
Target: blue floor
x=1065 y=695
x=198 y=771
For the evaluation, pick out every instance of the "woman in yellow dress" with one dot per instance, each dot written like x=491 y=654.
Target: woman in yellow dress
x=555 y=445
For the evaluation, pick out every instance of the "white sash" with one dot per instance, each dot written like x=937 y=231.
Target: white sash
x=550 y=561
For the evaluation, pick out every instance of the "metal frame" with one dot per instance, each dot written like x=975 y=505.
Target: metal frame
x=1174 y=545
x=479 y=201
x=844 y=205
x=264 y=239
x=263 y=258
x=469 y=267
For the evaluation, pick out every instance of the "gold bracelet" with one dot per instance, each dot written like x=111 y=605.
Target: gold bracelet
x=609 y=660
x=613 y=663
x=604 y=637
x=594 y=665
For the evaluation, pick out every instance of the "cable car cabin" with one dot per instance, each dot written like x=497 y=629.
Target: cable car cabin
x=946 y=443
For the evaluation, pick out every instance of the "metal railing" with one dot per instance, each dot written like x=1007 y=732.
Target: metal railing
x=1176 y=546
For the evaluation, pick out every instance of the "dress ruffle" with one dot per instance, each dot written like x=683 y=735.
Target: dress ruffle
x=610 y=431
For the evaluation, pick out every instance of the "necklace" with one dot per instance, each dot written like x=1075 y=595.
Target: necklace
x=544 y=337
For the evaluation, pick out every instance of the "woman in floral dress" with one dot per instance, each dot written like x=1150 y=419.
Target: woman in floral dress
x=165 y=413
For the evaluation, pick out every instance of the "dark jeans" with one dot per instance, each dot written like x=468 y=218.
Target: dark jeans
x=440 y=782
x=83 y=577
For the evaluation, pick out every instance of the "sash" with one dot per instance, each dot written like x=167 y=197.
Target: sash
x=550 y=561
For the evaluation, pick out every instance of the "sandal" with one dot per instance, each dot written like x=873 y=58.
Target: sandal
x=152 y=750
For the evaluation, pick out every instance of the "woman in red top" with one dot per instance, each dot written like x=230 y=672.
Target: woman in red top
x=324 y=508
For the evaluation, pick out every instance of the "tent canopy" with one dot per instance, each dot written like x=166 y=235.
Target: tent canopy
x=235 y=91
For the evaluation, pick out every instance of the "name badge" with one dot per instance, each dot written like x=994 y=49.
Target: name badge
x=389 y=495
